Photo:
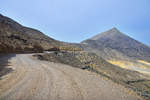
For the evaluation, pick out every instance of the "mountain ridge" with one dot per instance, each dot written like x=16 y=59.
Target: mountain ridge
x=19 y=38
x=16 y=38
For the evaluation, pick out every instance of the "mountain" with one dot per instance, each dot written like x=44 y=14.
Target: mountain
x=113 y=44
x=110 y=45
x=15 y=38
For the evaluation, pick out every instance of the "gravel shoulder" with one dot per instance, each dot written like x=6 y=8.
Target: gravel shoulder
x=33 y=79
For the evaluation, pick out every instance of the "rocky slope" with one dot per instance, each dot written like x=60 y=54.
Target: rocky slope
x=17 y=38
x=115 y=44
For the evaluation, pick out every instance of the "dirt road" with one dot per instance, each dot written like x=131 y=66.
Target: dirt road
x=41 y=80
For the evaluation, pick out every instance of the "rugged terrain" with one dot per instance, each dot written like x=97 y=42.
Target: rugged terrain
x=106 y=59
x=115 y=56
x=119 y=49
x=20 y=39
x=136 y=81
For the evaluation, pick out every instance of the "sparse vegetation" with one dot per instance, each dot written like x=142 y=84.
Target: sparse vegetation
x=15 y=38
x=116 y=48
x=90 y=61
x=144 y=62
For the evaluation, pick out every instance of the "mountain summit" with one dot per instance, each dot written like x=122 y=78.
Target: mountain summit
x=108 y=34
x=114 y=40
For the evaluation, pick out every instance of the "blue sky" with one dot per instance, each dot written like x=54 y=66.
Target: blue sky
x=77 y=20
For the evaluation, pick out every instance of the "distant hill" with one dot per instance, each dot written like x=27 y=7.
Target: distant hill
x=114 y=44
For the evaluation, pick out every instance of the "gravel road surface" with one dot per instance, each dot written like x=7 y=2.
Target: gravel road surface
x=33 y=79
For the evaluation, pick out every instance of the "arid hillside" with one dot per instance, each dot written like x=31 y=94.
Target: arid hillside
x=15 y=38
x=130 y=79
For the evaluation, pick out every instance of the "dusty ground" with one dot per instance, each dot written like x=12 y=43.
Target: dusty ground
x=41 y=80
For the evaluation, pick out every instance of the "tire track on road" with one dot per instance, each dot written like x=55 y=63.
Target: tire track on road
x=68 y=80
x=42 y=80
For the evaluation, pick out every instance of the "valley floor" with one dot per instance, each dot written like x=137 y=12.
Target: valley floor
x=33 y=79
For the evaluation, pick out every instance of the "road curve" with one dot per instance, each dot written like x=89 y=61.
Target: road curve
x=33 y=79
